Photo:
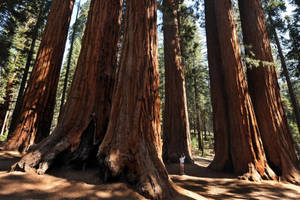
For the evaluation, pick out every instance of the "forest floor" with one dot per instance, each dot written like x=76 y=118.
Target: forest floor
x=199 y=182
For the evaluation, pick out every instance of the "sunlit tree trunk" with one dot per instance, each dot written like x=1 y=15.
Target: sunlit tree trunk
x=19 y=101
x=247 y=153
x=176 y=137
x=34 y=121
x=131 y=148
x=85 y=115
x=265 y=93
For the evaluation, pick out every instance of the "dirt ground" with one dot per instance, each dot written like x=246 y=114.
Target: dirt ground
x=198 y=183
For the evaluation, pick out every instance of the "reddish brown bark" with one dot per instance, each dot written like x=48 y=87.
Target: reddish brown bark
x=132 y=146
x=85 y=115
x=176 y=137
x=222 y=159
x=265 y=94
x=247 y=153
x=36 y=113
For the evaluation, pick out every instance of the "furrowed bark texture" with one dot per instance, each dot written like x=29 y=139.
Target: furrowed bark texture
x=176 y=137
x=85 y=115
x=246 y=147
x=44 y=7
x=222 y=159
x=36 y=113
x=131 y=148
x=265 y=94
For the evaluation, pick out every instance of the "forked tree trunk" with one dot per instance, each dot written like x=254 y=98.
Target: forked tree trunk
x=36 y=114
x=132 y=146
x=247 y=153
x=176 y=137
x=222 y=160
x=265 y=94
x=86 y=113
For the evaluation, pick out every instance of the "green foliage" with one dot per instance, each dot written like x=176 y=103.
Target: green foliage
x=80 y=26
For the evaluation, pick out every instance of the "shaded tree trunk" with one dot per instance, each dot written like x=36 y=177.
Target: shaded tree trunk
x=132 y=146
x=247 y=153
x=85 y=115
x=34 y=121
x=222 y=160
x=265 y=93
x=176 y=137
x=19 y=101
x=294 y=101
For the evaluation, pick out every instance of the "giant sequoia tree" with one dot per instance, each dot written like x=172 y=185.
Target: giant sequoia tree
x=176 y=137
x=132 y=145
x=245 y=151
x=84 y=117
x=265 y=93
x=222 y=159
x=36 y=113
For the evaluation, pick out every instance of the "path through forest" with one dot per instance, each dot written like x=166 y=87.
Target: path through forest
x=70 y=184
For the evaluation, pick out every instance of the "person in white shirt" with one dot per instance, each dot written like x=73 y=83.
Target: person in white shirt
x=181 y=164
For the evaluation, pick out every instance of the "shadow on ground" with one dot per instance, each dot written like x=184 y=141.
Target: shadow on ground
x=217 y=185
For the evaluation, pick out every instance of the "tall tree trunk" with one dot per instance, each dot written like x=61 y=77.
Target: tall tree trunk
x=34 y=121
x=132 y=145
x=265 y=93
x=85 y=115
x=176 y=137
x=69 y=61
x=247 y=152
x=19 y=101
x=294 y=101
x=222 y=160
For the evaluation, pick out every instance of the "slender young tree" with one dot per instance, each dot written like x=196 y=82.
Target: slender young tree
x=265 y=93
x=36 y=112
x=176 y=137
x=246 y=149
x=85 y=115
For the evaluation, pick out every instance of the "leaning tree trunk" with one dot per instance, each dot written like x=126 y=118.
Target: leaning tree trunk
x=176 y=137
x=265 y=94
x=72 y=40
x=247 y=152
x=34 y=38
x=222 y=160
x=85 y=115
x=293 y=97
x=132 y=145
x=36 y=114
